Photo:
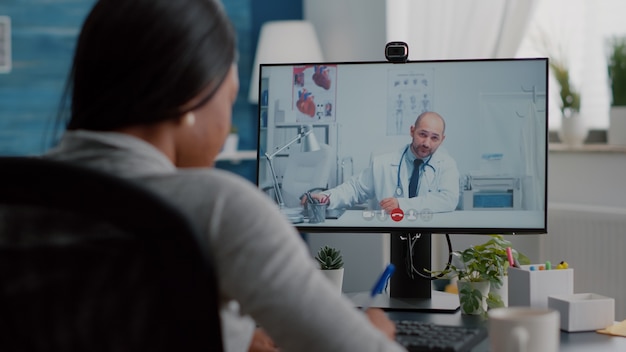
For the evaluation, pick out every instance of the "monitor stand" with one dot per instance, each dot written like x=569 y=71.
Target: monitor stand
x=408 y=292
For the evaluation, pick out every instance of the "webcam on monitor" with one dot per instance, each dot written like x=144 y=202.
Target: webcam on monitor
x=397 y=52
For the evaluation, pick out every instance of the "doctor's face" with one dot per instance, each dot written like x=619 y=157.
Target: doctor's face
x=427 y=134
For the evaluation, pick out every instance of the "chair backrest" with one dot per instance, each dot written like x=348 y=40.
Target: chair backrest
x=305 y=171
x=92 y=262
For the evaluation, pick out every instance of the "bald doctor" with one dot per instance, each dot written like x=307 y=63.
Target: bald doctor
x=420 y=176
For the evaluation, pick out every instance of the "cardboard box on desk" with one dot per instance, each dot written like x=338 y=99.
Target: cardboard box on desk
x=531 y=288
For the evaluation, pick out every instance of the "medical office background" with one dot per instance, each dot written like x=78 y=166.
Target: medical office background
x=44 y=32
x=487 y=111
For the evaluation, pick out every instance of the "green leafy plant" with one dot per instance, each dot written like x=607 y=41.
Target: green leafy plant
x=617 y=70
x=570 y=97
x=472 y=299
x=329 y=258
x=494 y=300
x=487 y=261
x=483 y=262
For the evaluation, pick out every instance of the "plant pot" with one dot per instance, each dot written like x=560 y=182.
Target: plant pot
x=473 y=296
x=573 y=131
x=335 y=276
x=616 y=135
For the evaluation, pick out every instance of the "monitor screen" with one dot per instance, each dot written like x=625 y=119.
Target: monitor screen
x=447 y=146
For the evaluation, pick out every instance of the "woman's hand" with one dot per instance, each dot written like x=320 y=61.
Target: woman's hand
x=379 y=319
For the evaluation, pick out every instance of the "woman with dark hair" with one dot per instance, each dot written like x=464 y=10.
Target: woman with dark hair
x=152 y=87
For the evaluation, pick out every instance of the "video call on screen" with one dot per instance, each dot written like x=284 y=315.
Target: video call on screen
x=495 y=113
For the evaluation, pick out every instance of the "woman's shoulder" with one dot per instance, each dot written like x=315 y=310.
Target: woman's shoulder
x=211 y=175
x=209 y=195
x=202 y=184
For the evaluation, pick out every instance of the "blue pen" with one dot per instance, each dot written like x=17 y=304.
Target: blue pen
x=379 y=286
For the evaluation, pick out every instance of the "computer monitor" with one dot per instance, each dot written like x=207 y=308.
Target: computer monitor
x=485 y=120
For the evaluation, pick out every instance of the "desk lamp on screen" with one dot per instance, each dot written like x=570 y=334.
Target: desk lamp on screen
x=309 y=145
x=482 y=152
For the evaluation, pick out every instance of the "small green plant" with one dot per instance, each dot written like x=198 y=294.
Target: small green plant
x=570 y=97
x=329 y=258
x=483 y=262
x=494 y=300
x=472 y=299
x=617 y=70
x=487 y=261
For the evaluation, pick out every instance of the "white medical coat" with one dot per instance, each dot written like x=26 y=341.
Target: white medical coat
x=438 y=187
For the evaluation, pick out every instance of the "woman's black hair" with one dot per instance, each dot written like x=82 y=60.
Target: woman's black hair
x=142 y=61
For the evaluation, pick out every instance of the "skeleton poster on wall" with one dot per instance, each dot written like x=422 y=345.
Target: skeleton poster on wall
x=410 y=93
x=314 y=93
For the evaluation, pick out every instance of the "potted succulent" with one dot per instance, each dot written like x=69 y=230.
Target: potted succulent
x=480 y=271
x=330 y=261
x=616 y=64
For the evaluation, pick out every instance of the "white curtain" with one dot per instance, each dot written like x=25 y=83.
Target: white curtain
x=454 y=29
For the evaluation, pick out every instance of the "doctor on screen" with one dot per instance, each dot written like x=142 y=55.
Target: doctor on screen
x=420 y=176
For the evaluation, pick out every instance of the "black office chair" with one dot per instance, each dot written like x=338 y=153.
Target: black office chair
x=91 y=262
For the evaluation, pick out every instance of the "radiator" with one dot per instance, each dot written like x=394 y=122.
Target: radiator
x=592 y=239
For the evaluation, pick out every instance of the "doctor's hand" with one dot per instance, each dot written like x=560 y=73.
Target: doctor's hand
x=320 y=197
x=261 y=342
x=389 y=204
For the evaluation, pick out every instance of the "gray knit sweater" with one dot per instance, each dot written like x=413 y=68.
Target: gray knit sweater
x=265 y=272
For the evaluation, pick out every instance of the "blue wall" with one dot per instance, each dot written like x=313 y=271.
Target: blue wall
x=43 y=39
x=245 y=114
x=44 y=33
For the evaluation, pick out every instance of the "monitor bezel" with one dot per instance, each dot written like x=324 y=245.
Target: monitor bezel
x=306 y=228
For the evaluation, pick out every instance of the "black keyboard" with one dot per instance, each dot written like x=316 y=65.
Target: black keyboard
x=417 y=336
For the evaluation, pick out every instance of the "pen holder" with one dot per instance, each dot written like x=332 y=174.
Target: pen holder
x=531 y=288
x=316 y=212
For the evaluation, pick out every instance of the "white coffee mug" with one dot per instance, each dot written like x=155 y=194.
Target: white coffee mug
x=524 y=329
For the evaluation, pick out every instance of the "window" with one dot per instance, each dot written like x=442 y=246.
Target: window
x=578 y=31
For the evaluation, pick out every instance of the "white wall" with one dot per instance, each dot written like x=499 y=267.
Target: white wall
x=590 y=178
x=348 y=30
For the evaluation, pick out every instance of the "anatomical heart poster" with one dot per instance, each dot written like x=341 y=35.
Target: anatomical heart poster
x=314 y=93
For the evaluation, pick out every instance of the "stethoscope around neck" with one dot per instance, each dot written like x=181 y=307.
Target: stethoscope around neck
x=399 y=189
